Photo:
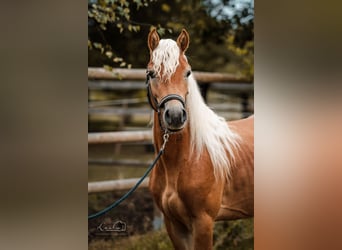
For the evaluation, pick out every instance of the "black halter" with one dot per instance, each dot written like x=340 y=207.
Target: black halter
x=158 y=106
x=154 y=102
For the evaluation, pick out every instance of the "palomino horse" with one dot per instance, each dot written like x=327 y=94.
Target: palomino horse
x=206 y=171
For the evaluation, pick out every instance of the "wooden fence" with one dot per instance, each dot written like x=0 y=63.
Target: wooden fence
x=123 y=184
x=116 y=137
x=140 y=74
x=100 y=78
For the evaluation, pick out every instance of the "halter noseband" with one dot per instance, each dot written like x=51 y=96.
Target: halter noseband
x=158 y=106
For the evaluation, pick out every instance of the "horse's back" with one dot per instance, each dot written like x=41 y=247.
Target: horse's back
x=238 y=196
x=244 y=127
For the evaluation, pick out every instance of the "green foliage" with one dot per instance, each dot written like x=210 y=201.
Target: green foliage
x=112 y=14
x=243 y=56
x=116 y=12
x=118 y=31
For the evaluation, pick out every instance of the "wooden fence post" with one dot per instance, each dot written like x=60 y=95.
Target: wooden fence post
x=244 y=103
x=204 y=90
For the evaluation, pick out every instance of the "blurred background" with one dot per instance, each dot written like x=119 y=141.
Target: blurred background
x=44 y=111
x=221 y=44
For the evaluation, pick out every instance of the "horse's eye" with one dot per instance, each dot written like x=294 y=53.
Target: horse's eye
x=188 y=73
x=151 y=73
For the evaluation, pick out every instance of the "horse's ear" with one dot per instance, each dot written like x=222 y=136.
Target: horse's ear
x=183 y=40
x=153 y=39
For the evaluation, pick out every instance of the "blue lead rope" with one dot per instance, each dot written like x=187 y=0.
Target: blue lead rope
x=116 y=203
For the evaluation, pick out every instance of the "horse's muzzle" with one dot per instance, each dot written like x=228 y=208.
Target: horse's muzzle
x=174 y=116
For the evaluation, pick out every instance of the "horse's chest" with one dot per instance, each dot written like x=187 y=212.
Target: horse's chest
x=172 y=205
x=167 y=192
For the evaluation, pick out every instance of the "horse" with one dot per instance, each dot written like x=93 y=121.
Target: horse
x=206 y=171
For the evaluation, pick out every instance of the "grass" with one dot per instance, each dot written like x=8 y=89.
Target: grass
x=233 y=235
x=158 y=240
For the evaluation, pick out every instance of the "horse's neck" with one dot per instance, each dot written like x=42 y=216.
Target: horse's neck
x=177 y=146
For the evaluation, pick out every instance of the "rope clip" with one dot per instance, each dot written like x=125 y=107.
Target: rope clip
x=166 y=138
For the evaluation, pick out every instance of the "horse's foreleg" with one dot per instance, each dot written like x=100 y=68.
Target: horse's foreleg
x=203 y=232
x=180 y=236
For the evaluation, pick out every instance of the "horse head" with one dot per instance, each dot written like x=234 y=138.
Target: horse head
x=167 y=78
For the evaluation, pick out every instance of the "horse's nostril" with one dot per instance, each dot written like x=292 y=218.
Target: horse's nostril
x=184 y=116
x=167 y=116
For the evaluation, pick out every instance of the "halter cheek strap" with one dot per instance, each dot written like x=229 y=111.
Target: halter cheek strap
x=151 y=99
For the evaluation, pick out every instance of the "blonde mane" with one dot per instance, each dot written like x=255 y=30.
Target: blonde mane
x=207 y=130
x=210 y=131
x=166 y=55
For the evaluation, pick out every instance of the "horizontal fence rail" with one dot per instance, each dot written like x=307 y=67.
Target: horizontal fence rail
x=107 y=186
x=233 y=87
x=123 y=162
x=140 y=74
x=114 y=137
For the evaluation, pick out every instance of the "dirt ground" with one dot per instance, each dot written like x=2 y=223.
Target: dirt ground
x=136 y=213
x=135 y=220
